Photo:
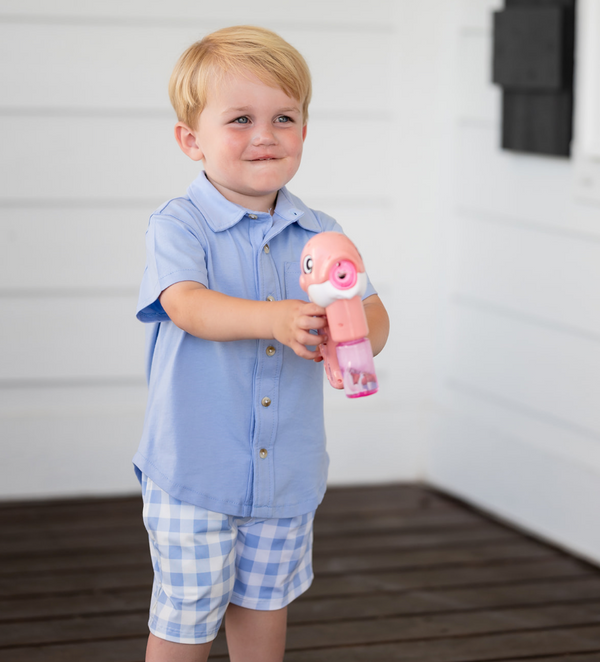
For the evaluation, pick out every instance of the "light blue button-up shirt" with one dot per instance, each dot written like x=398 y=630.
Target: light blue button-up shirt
x=235 y=427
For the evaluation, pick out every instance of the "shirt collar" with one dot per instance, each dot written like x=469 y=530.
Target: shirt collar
x=221 y=214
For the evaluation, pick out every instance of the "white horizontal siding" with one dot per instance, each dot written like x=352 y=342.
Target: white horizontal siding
x=541 y=369
x=501 y=183
x=552 y=495
x=88 y=153
x=78 y=71
x=118 y=159
x=70 y=249
x=70 y=337
x=519 y=377
x=70 y=439
x=330 y=15
x=478 y=99
x=541 y=273
x=477 y=14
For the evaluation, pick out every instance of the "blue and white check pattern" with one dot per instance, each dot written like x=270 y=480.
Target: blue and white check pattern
x=203 y=560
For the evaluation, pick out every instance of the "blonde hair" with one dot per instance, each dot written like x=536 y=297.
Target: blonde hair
x=241 y=49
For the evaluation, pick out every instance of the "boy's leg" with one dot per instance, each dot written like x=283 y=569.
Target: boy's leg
x=193 y=556
x=160 y=650
x=255 y=636
x=273 y=567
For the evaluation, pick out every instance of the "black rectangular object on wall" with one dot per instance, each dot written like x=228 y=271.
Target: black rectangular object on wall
x=533 y=63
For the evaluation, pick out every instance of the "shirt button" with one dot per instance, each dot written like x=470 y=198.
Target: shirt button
x=270 y=298
x=265 y=402
x=263 y=453
x=266 y=249
x=270 y=350
x=253 y=216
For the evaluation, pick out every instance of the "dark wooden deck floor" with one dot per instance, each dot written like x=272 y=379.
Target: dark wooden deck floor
x=402 y=573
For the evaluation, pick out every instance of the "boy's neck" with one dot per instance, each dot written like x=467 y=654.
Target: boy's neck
x=264 y=203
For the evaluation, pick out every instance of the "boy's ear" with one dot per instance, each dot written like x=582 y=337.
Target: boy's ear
x=304 y=132
x=186 y=139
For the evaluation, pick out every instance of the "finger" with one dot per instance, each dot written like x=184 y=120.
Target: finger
x=310 y=339
x=312 y=322
x=303 y=352
x=313 y=309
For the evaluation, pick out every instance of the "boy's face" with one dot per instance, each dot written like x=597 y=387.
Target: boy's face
x=249 y=137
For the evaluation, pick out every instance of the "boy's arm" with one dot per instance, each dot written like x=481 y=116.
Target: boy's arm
x=378 y=321
x=215 y=316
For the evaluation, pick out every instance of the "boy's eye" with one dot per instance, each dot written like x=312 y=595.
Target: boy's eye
x=241 y=120
x=284 y=119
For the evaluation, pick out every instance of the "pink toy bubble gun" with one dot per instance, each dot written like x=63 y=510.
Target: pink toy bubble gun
x=333 y=276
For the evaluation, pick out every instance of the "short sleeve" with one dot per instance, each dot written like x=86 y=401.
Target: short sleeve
x=174 y=253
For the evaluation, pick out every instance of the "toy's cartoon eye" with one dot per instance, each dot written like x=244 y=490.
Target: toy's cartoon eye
x=307 y=265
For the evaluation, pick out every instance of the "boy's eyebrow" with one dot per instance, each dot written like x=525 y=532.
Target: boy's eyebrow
x=245 y=109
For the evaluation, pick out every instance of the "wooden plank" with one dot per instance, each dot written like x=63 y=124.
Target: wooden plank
x=415 y=520
x=45 y=520
x=101 y=579
x=69 y=511
x=307 y=610
x=98 y=602
x=118 y=650
x=134 y=537
x=66 y=574
x=379 y=541
x=109 y=537
x=444 y=649
x=381 y=593
x=438 y=599
x=323 y=634
x=363 y=631
x=505 y=552
x=381 y=499
x=76 y=560
x=464 y=649
x=74 y=629
x=503 y=571
x=425 y=585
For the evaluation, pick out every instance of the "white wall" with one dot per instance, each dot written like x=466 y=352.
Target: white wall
x=88 y=153
x=518 y=426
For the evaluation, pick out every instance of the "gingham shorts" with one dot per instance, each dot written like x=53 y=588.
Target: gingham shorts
x=204 y=560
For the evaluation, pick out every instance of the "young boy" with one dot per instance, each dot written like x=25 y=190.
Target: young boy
x=232 y=459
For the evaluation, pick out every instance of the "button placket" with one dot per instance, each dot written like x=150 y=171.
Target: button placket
x=268 y=373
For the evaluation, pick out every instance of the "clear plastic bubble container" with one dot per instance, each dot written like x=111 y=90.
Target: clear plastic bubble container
x=356 y=363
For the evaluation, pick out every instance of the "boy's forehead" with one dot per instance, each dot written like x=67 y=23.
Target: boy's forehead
x=233 y=86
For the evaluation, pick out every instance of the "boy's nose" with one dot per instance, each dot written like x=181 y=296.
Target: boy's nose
x=264 y=136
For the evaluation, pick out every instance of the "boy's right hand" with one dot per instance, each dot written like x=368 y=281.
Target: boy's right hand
x=216 y=316
x=293 y=320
